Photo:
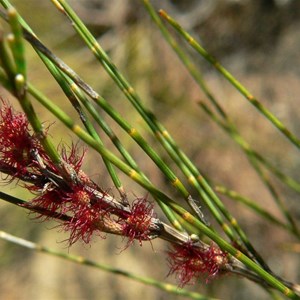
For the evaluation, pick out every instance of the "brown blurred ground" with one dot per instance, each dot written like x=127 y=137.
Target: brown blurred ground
x=259 y=42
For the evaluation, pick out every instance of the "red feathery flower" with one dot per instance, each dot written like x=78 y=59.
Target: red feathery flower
x=188 y=262
x=84 y=224
x=17 y=144
x=86 y=212
x=138 y=222
x=75 y=161
x=78 y=203
x=15 y=139
x=72 y=157
x=51 y=201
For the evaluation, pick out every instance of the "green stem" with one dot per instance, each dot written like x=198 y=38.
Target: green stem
x=255 y=207
x=258 y=105
x=17 y=44
x=196 y=74
x=7 y=61
x=192 y=69
x=229 y=128
x=169 y=288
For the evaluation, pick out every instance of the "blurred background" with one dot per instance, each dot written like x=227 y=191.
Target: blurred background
x=259 y=42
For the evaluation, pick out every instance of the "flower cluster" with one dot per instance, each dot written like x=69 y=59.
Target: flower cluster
x=16 y=141
x=92 y=210
x=137 y=224
x=189 y=262
x=76 y=201
x=82 y=206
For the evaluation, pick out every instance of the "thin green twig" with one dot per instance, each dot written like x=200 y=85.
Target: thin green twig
x=196 y=74
x=250 y=203
x=224 y=72
x=16 y=41
x=169 y=288
x=254 y=160
x=191 y=67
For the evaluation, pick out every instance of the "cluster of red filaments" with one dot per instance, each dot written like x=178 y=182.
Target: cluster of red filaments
x=137 y=225
x=16 y=142
x=188 y=262
x=74 y=202
x=82 y=207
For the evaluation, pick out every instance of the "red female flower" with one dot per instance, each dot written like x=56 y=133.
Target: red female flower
x=86 y=211
x=188 y=262
x=75 y=160
x=137 y=225
x=72 y=157
x=79 y=204
x=15 y=139
x=50 y=201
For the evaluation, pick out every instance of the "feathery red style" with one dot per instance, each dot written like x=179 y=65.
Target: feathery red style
x=137 y=224
x=188 y=262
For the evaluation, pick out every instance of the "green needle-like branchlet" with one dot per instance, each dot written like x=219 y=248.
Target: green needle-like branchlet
x=257 y=104
x=169 y=288
x=17 y=44
x=250 y=153
x=7 y=61
x=194 y=71
x=191 y=67
x=254 y=159
x=255 y=207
